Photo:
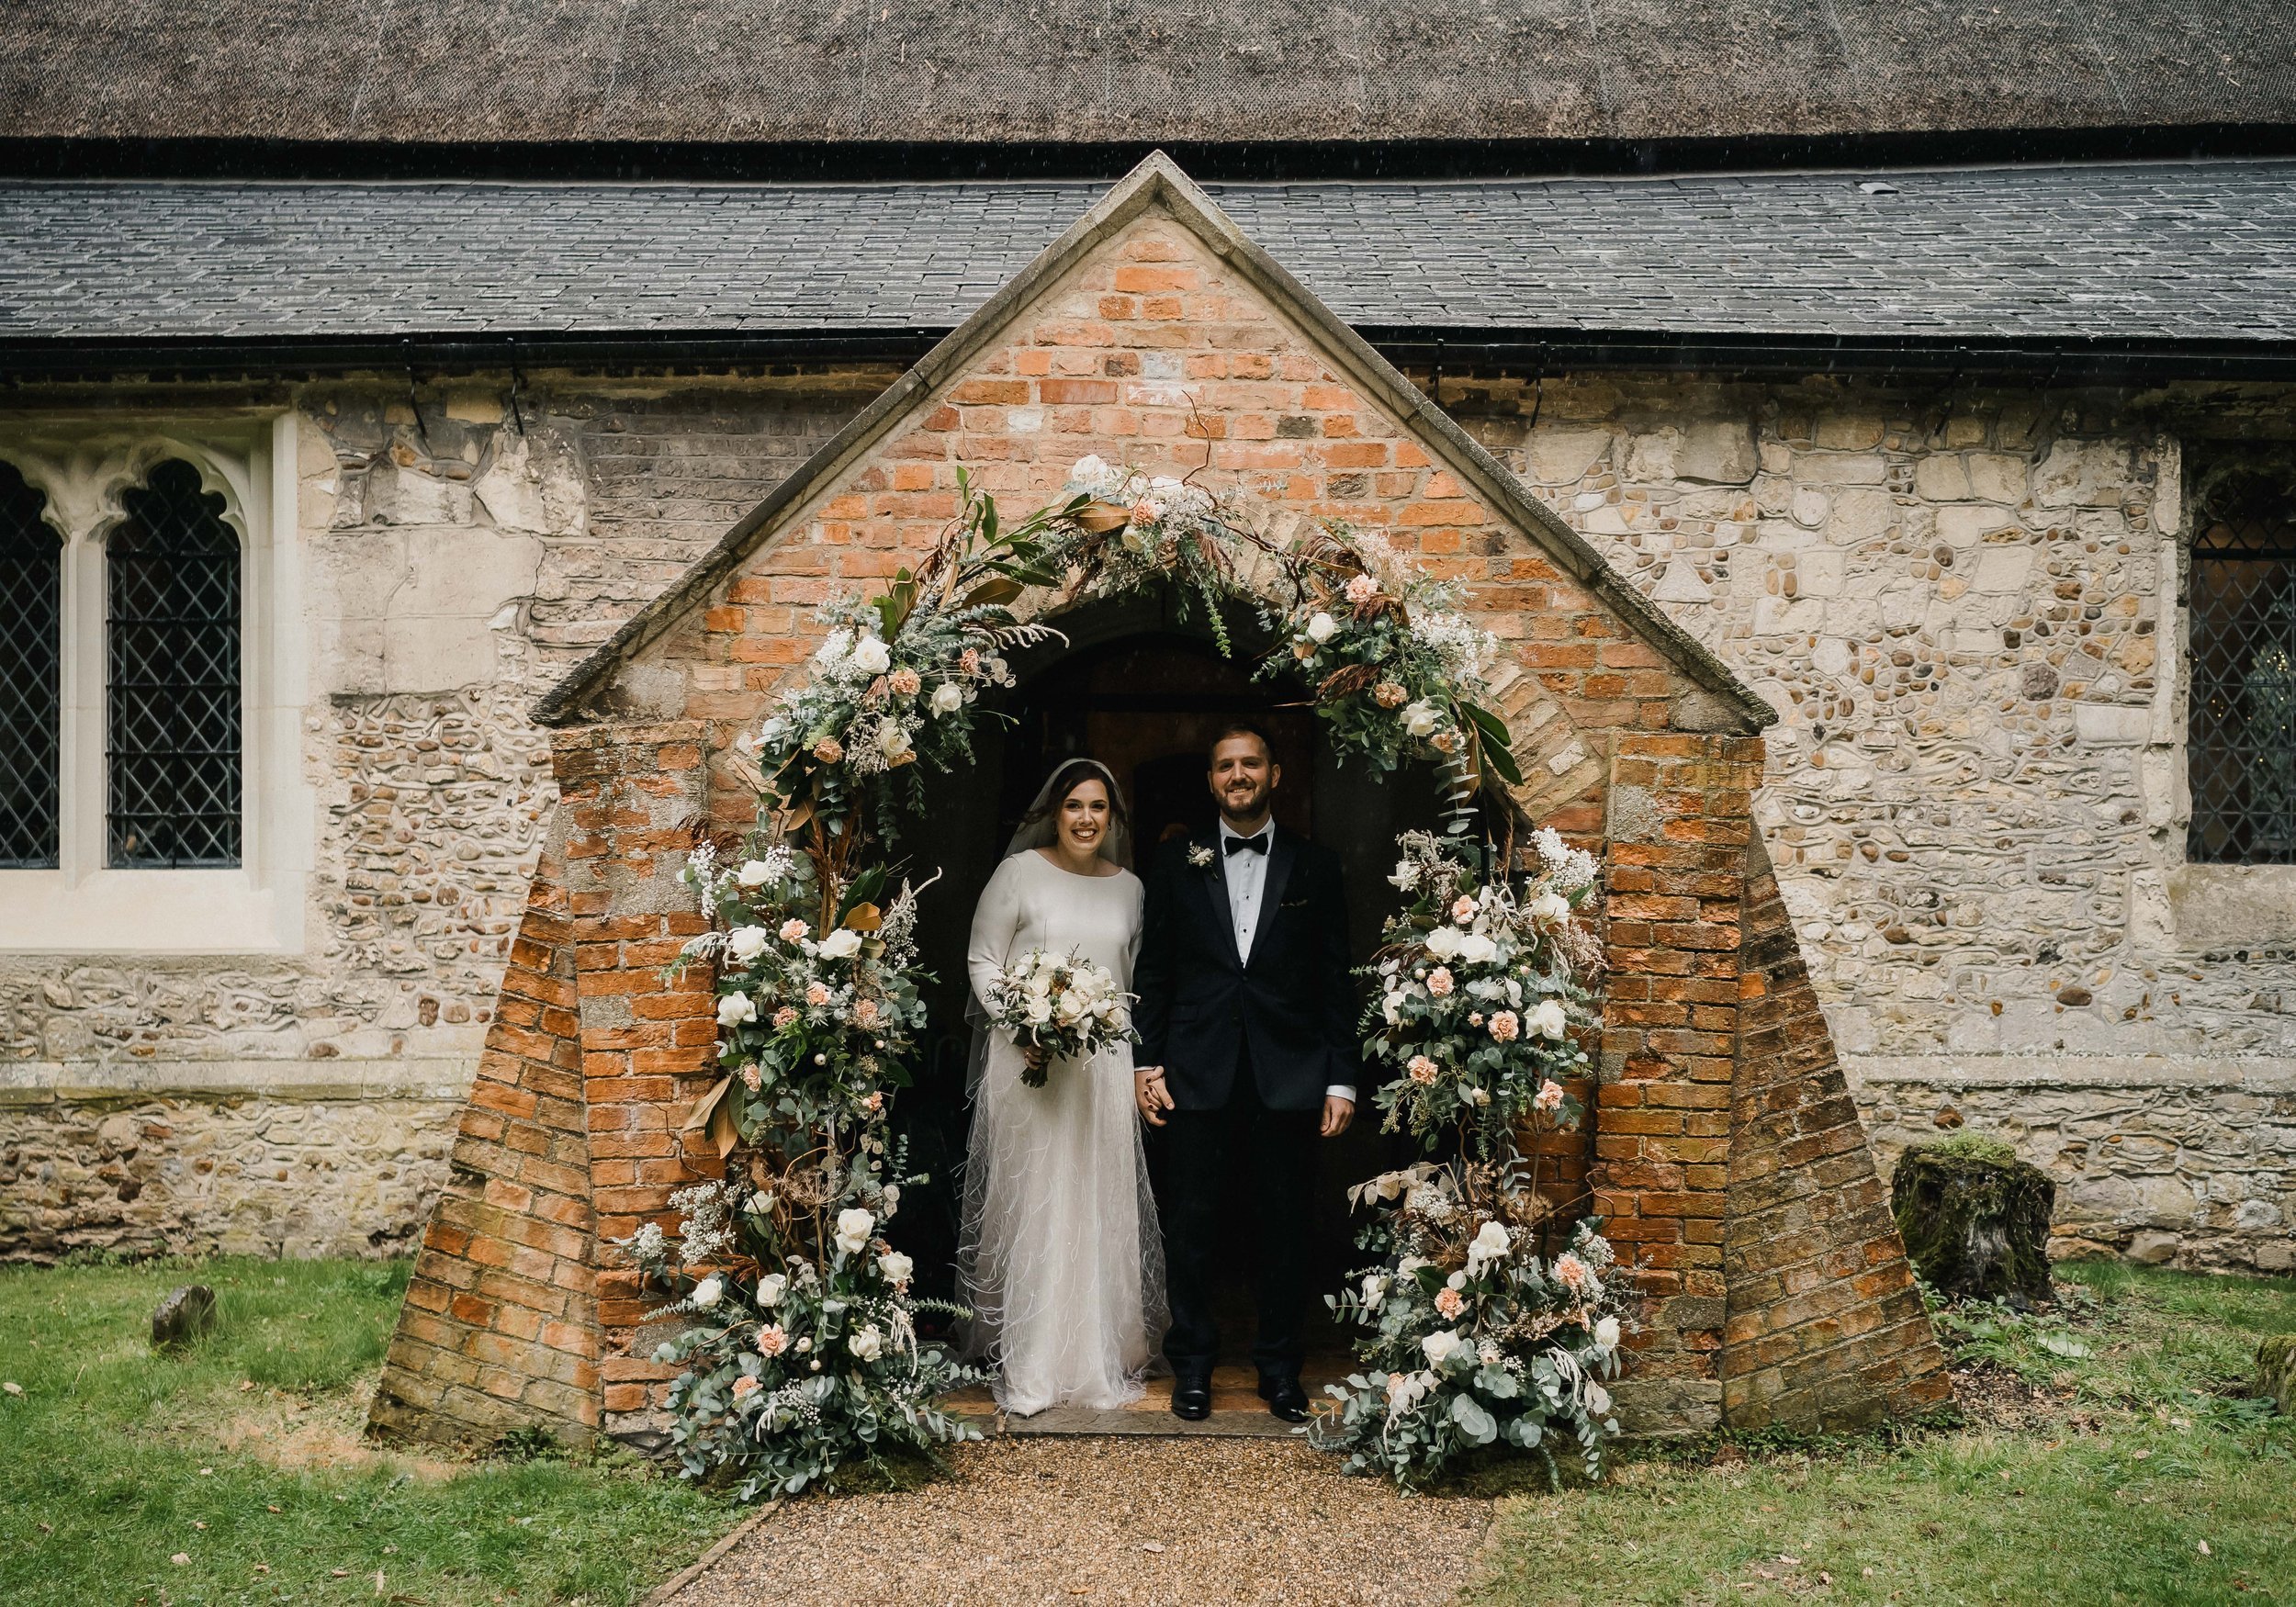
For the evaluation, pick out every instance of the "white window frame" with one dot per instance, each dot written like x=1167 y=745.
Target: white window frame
x=84 y=906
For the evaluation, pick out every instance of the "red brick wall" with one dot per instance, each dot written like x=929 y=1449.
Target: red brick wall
x=1825 y=1328
x=499 y=1327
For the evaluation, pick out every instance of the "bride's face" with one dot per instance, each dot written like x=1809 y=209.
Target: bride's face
x=1084 y=818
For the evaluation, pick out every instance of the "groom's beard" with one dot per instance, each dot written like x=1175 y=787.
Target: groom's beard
x=1250 y=813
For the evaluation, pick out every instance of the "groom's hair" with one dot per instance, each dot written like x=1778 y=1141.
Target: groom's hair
x=1239 y=728
x=1067 y=778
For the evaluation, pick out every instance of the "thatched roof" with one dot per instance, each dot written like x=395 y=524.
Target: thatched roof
x=1168 y=70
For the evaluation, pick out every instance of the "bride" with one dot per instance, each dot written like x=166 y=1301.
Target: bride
x=1060 y=1256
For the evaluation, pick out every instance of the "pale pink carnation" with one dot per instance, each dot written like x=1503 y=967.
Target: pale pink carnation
x=793 y=929
x=828 y=750
x=1576 y=1275
x=751 y=1077
x=1463 y=911
x=1450 y=1303
x=745 y=1386
x=1362 y=589
x=864 y=1012
x=970 y=661
x=772 y=1341
x=785 y=1018
x=1439 y=980
x=1506 y=1027
x=1388 y=694
x=903 y=681
x=1549 y=1097
x=816 y=992
x=1422 y=1069
x=875 y=1102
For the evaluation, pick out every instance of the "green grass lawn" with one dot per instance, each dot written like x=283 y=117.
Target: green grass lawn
x=2106 y=1446
x=242 y=1456
x=2109 y=1459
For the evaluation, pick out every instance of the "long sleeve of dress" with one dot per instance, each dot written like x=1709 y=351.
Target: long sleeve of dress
x=996 y=922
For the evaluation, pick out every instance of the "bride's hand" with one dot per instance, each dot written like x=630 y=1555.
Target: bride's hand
x=1149 y=1093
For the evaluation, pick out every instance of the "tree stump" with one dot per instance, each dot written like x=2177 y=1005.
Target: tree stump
x=2276 y=1371
x=1974 y=1218
x=186 y=1313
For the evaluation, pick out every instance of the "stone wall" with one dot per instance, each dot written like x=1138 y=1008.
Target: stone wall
x=1960 y=600
x=461 y=548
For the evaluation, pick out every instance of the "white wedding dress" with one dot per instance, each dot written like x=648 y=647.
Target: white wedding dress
x=1060 y=1257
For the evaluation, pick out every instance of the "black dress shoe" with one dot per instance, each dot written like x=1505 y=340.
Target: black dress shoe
x=1191 y=1399
x=1285 y=1399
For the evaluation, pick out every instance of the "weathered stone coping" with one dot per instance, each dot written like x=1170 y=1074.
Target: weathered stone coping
x=442 y=1079
x=2261 y=1073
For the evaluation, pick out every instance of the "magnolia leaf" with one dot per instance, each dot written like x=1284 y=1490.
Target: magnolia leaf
x=864 y=917
x=714 y=1111
x=990 y=593
x=1497 y=743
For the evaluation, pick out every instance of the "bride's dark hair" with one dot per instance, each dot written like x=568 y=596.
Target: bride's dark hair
x=1066 y=780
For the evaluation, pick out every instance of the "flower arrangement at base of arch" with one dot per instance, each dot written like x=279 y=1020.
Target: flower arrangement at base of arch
x=1478 y=1339
x=800 y=1338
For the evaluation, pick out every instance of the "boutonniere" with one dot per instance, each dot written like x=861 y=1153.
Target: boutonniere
x=1200 y=856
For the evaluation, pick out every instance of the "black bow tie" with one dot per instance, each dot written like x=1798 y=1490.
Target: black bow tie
x=1257 y=845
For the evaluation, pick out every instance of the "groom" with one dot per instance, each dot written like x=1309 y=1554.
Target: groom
x=1248 y=1055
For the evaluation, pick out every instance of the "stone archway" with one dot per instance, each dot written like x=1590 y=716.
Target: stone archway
x=1728 y=1157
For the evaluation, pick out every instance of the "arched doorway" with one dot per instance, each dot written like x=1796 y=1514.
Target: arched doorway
x=1140 y=684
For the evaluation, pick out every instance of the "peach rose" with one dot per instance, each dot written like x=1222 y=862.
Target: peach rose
x=1450 y=1303
x=1506 y=1027
x=1439 y=980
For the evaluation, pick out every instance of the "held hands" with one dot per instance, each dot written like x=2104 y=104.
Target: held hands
x=1149 y=1093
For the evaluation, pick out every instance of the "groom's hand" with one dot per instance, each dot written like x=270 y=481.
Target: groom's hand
x=1337 y=1114
x=1149 y=1093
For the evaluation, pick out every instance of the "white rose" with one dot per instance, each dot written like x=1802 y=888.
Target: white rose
x=872 y=656
x=736 y=1010
x=772 y=1288
x=1440 y=1345
x=891 y=741
x=705 y=1293
x=948 y=698
x=896 y=1267
x=1374 y=1290
x=1597 y=1398
x=1490 y=1243
x=1551 y=909
x=865 y=1343
x=1073 y=1004
x=1406 y=875
x=1444 y=942
x=841 y=944
x=1546 y=1018
x=1478 y=950
x=754 y=873
x=1392 y=1007
x=1039 y=1009
x=1040 y=982
x=854 y=1228
x=1606 y=1333
x=746 y=943
x=1321 y=628
x=1421 y=718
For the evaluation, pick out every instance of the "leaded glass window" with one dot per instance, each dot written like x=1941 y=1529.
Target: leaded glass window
x=2242 y=654
x=173 y=660
x=31 y=597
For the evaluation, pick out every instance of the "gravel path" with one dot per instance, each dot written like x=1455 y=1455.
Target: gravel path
x=1111 y=1520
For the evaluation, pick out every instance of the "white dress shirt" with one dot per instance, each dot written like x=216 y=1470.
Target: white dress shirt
x=1246 y=874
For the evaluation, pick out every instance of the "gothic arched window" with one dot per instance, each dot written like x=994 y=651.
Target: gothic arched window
x=172 y=590
x=2243 y=648
x=31 y=620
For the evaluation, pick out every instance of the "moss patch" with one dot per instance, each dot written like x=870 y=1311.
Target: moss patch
x=1975 y=1224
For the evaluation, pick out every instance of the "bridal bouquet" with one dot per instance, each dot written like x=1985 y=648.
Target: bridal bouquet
x=1059 y=1006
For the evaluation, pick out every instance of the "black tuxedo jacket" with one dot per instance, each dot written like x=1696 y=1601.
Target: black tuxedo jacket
x=1200 y=1004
